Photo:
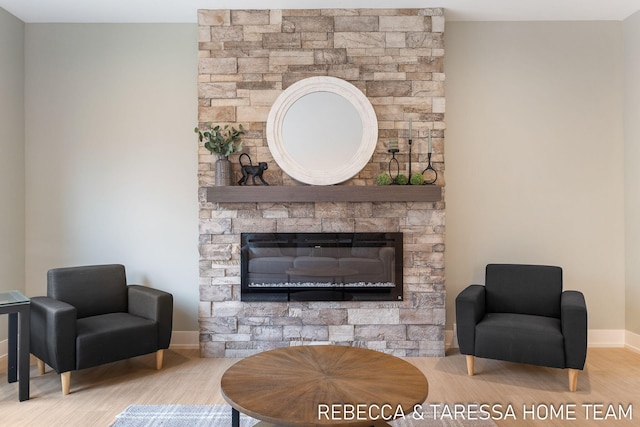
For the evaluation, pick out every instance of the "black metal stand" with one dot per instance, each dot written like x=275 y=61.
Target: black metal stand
x=409 y=180
x=235 y=418
x=18 y=351
x=393 y=152
x=432 y=172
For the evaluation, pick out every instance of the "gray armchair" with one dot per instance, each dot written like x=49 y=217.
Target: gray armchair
x=90 y=316
x=522 y=315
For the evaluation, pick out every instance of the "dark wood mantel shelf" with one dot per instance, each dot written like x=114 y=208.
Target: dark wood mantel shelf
x=333 y=193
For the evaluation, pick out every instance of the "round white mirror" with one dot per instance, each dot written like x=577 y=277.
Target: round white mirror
x=322 y=130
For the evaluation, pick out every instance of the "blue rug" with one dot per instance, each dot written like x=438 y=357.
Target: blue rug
x=220 y=416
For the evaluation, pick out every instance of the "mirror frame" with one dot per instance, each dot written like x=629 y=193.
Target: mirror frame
x=349 y=167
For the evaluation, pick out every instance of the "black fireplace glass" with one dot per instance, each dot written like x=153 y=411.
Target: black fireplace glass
x=321 y=267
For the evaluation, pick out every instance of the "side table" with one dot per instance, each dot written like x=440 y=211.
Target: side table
x=16 y=306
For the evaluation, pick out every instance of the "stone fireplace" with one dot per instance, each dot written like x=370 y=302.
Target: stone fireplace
x=395 y=56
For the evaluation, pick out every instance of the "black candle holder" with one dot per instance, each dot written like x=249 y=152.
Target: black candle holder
x=393 y=152
x=409 y=180
x=431 y=171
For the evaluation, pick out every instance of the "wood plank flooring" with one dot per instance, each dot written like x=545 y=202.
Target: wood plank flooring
x=612 y=376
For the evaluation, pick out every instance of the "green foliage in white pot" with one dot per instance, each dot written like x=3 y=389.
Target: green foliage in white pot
x=221 y=141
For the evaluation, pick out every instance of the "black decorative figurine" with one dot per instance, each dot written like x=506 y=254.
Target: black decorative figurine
x=251 y=170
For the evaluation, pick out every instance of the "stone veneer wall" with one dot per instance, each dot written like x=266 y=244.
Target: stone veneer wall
x=395 y=56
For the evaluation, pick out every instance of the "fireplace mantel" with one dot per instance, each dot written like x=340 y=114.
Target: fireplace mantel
x=334 y=193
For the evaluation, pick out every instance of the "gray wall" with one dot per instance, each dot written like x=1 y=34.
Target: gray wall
x=111 y=154
x=632 y=169
x=12 y=206
x=534 y=154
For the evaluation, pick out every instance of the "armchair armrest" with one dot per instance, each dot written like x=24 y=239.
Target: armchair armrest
x=573 y=310
x=153 y=304
x=470 y=309
x=53 y=333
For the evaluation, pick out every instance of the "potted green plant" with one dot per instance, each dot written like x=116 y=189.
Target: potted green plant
x=221 y=141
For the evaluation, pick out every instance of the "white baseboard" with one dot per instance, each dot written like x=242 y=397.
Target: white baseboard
x=632 y=341
x=603 y=338
x=450 y=339
x=179 y=340
x=596 y=338
x=185 y=340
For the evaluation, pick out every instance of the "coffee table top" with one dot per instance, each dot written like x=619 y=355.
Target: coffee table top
x=286 y=386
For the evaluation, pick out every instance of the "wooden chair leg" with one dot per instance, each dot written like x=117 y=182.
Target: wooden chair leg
x=40 y=366
x=573 y=379
x=65 y=378
x=159 y=359
x=470 y=361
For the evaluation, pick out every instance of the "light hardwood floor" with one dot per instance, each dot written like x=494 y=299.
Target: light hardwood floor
x=612 y=376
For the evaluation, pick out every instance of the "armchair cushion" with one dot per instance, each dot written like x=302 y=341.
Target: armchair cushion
x=524 y=289
x=114 y=336
x=536 y=340
x=92 y=290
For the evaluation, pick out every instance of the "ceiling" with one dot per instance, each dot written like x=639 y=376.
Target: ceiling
x=166 y=11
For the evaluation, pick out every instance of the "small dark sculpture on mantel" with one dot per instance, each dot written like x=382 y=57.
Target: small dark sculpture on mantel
x=255 y=171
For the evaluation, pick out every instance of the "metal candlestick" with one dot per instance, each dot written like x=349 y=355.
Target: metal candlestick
x=431 y=171
x=393 y=152
x=409 y=180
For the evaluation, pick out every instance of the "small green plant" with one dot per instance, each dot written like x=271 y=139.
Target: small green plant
x=384 y=179
x=401 y=179
x=221 y=141
x=416 y=179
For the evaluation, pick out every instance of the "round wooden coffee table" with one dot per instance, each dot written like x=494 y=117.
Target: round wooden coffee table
x=323 y=385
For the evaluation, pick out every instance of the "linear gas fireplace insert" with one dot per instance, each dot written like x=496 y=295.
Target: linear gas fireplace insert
x=321 y=267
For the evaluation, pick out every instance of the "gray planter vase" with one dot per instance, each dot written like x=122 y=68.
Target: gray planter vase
x=223 y=171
